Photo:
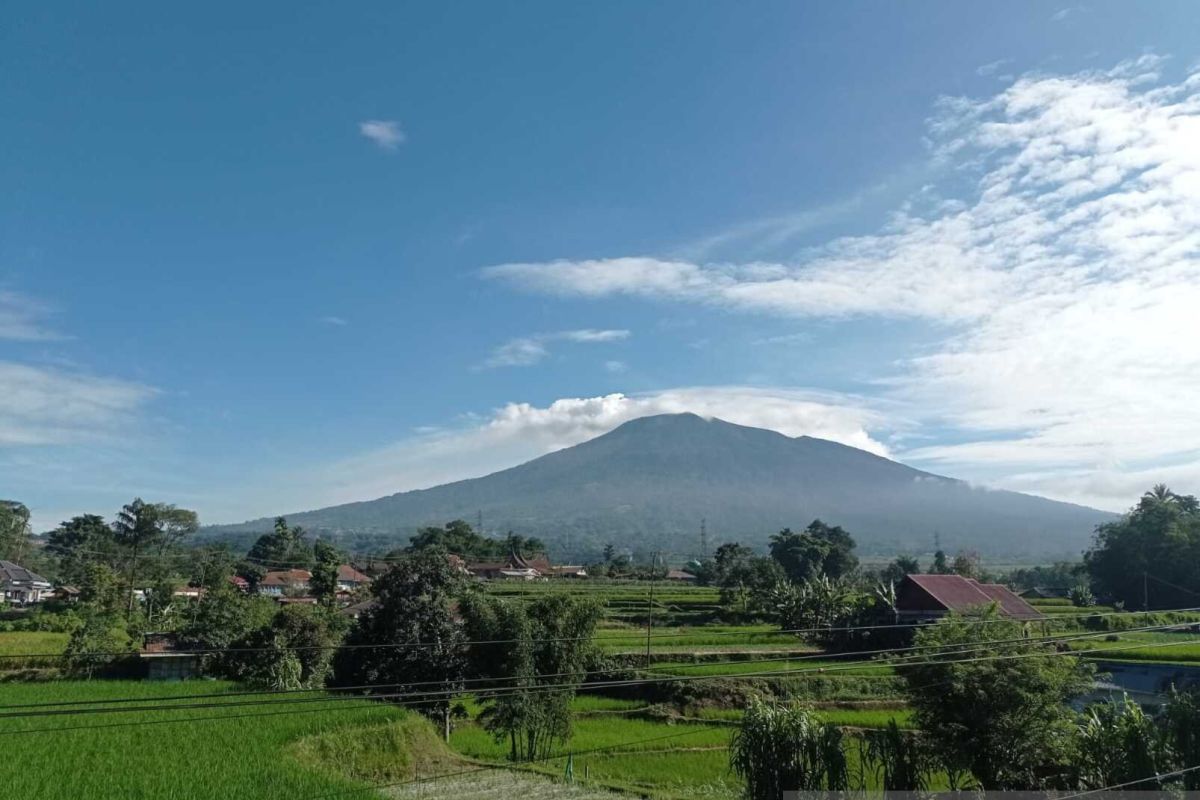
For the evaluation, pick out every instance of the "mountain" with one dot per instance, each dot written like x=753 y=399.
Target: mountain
x=648 y=484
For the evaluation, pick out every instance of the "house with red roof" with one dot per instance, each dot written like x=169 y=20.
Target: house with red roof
x=288 y=581
x=929 y=597
x=349 y=579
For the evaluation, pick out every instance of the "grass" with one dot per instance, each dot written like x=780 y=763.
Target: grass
x=610 y=731
x=284 y=756
x=25 y=643
x=847 y=717
x=1167 y=647
x=718 y=668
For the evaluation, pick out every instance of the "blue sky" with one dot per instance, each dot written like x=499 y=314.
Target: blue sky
x=260 y=259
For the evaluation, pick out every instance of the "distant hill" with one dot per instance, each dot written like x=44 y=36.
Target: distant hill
x=647 y=484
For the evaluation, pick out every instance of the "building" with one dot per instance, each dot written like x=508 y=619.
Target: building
x=929 y=597
x=289 y=581
x=515 y=567
x=680 y=575
x=349 y=579
x=19 y=586
x=163 y=661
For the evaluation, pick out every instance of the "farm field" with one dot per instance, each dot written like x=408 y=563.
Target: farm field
x=24 y=643
x=286 y=755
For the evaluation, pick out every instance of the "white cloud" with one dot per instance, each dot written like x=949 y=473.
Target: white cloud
x=386 y=133
x=526 y=351
x=518 y=432
x=616 y=367
x=21 y=319
x=337 y=322
x=46 y=406
x=1066 y=282
x=992 y=67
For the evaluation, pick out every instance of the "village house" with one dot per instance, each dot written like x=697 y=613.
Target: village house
x=290 y=582
x=19 y=586
x=349 y=579
x=921 y=598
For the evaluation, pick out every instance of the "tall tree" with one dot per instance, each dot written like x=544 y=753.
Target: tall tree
x=14 y=530
x=820 y=550
x=412 y=605
x=1151 y=555
x=80 y=541
x=540 y=651
x=323 y=583
x=136 y=530
x=1003 y=713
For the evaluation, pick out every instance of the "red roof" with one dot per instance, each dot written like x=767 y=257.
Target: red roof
x=1011 y=604
x=956 y=593
x=349 y=574
x=286 y=577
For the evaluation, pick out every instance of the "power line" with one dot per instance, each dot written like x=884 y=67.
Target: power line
x=623 y=636
x=422 y=698
x=1157 y=777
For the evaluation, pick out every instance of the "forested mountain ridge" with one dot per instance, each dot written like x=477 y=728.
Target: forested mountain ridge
x=648 y=484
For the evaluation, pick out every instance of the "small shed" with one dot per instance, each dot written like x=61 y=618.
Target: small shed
x=164 y=660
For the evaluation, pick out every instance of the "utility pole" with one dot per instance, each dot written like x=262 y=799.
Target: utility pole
x=1145 y=591
x=650 y=606
x=703 y=538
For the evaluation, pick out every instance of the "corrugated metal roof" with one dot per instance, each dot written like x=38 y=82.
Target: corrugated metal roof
x=953 y=592
x=15 y=573
x=1010 y=604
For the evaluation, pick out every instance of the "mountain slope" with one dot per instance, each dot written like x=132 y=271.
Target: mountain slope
x=648 y=483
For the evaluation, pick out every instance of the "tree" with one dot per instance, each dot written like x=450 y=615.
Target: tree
x=540 y=651
x=895 y=571
x=781 y=748
x=820 y=550
x=284 y=547
x=323 y=583
x=940 y=565
x=610 y=552
x=1002 y=713
x=412 y=605
x=14 y=530
x=1181 y=728
x=293 y=651
x=80 y=541
x=1081 y=596
x=1154 y=546
x=966 y=564
x=94 y=645
x=221 y=617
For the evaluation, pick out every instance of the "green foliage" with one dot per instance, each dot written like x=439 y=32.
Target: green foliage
x=901 y=566
x=1001 y=713
x=899 y=760
x=1081 y=596
x=786 y=748
x=294 y=651
x=323 y=583
x=459 y=538
x=222 y=616
x=412 y=604
x=14 y=530
x=91 y=647
x=821 y=550
x=226 y=758
x=542 y=650
x=1181 y=728
x=80 y=542
x=282 y=548
x=1118 y=743
x=1154 y=550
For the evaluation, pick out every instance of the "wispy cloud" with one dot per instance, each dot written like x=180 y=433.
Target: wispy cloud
x=992 y=67
x=1065 y=282
x=337 y=322
x=23 y=319
x=49 y=406
x=1065 y=13
x=616 y=367
x=526 y=351
x=386 y=133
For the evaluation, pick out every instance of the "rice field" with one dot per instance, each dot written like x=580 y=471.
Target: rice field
x=751 y=666
x=846 y=717
x=24 y=643
x=199 y=754
x=622 y=733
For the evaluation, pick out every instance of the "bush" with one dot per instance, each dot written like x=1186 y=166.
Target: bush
x=96 y=646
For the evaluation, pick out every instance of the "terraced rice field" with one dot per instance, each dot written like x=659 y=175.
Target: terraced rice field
x=214 y=754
